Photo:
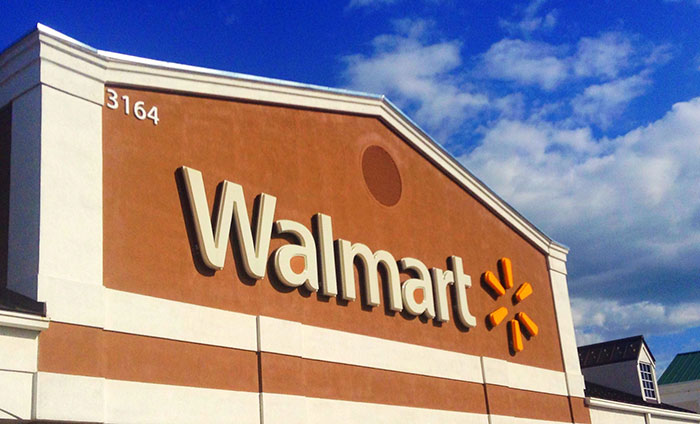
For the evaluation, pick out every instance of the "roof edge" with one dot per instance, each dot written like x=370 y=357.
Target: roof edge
x=684 y=368
x=630 y=338
x=508 y=213
x=12 y=301
x=632 y=403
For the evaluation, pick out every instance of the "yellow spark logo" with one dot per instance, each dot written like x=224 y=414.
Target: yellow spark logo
x=521 y=318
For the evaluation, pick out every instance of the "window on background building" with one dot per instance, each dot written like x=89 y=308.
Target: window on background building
x=647 y=381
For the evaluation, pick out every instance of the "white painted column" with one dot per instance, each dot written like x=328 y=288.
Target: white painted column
x=70 y=220
x=565 y=323
x=56 y=183
x=55 y=220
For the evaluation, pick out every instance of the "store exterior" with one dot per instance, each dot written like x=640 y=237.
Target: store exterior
x=212 y=247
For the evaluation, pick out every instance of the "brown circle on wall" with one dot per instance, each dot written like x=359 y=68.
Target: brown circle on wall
x=381 y=175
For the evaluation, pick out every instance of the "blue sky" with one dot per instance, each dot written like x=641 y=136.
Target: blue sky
x=585 y=116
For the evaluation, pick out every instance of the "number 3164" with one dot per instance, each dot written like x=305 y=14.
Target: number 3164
x=138 y=110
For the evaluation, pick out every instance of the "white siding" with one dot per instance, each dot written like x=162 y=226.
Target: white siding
x=685 y=395
x=607 y=416
x=666 y=420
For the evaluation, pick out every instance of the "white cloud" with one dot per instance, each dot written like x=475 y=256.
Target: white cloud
x=605 y=56
x=600 y=319
x=608 y=56
x=660 y=55
x=627 y=206
x=429 y=78
x=529 y=20
x=511 y=106
x=526 y=62
x=413 y=72
x=602 y=103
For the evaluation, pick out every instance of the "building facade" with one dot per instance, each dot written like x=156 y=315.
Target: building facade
x=189 y=245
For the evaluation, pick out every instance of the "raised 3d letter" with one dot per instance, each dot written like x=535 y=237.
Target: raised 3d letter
x=462 y=283
x=441 y=281
x=422 y=283
x=347 y=253
x=329 y=285
x=213 y=242
x=306 y=249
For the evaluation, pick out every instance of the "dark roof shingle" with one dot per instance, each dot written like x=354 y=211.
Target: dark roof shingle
x=611 y=352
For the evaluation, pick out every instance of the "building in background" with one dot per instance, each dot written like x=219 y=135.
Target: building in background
x=680 y=384
x=625 y=364
x=621 y=384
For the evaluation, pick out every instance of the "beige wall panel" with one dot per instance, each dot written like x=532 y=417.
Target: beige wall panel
x=132 y=402
x=79 y=398
x=18 y=349
x=16 y=394
x=606 y=416
x=71 y=192
x=63 y=397
x=278 y=408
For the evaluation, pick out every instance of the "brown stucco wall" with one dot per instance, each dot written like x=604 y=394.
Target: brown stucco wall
x=312 y=162
x=80 y=350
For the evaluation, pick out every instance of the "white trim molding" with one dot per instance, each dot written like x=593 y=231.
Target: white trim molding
x=23 y=321
x=639 y=409
x=291 y=409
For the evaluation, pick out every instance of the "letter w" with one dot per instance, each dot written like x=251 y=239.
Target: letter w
x=213 y=241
